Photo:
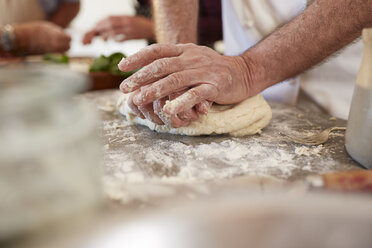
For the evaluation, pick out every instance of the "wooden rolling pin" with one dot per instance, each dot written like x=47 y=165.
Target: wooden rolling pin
x=348 y=181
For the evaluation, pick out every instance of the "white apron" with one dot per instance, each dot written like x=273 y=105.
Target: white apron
x=19 y=11
x=246 y=22
x=331 y=84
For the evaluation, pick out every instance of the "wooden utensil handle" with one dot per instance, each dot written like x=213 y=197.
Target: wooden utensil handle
x=360 y=181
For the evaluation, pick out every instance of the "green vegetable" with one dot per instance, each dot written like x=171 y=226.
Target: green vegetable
x=116 y=57
x=110 y=64
x=100 y=64
x=56 y=58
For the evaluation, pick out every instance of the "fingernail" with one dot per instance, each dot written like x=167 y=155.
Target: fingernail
x=123 y=63
x=170 y=107
x=128 y=85
x=123 y=87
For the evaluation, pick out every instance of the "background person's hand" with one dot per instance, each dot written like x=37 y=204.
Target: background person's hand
x=41 y=37
x=121 y=28
x=200 y=71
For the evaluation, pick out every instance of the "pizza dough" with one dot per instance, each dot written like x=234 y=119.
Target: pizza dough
x=245 y=118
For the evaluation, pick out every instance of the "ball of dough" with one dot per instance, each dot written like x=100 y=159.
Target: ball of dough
x=245 y=118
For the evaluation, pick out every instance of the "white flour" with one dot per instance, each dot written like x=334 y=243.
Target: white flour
x=139 y=164
x=176 y=160
x=309 y=151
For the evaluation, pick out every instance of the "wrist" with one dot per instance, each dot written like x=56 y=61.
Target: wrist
x=150 y=33
x=254 y=73
x=7 y=38
x=20 y=35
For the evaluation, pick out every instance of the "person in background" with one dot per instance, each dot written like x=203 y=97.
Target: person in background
x=140 y=26
x=35 y=26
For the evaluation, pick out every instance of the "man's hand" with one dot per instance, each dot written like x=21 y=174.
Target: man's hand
x=41 y=37
x=154 y=111
x=322 y=29
x=121 y=28
x=199 y=71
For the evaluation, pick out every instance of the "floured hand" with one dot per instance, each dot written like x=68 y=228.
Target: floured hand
x=199 y=71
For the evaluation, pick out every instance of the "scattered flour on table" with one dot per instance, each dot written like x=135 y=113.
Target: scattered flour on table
x=108 y=106
x=172 y=161
x=139 y=167
x=309 y=151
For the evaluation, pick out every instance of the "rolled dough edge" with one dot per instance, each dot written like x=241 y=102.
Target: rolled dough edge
x=250 y=123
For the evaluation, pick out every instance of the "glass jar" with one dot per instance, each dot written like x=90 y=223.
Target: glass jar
x=359 y=127
x=49 y=148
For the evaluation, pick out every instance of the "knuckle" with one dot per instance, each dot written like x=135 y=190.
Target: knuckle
x=176 y=122
x=200 y=59
x=195 y=94
x=142 y=109
x=129 y=20
x=223 y=70
x=156 y=48
x=133 y=108
x=160 y=66
x=190 y=45
x=149 y=48
x=204 y=49
x=145 y=112
x=175 y=80
x=158 y=110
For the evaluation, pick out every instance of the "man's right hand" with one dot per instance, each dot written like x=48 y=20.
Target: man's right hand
x=41 y=37
x=198 y=74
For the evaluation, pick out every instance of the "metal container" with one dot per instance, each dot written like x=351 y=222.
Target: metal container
x=49 y=149
x=359 y=129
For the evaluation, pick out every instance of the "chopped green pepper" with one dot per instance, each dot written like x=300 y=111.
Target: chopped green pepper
x=56 y=58
x=110 y=64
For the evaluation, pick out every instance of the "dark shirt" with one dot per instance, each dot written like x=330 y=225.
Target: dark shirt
x=49 y=6
x=210 y=20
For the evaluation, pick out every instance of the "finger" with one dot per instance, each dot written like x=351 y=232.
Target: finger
x=62 y=46
x=166 y=86
x=110 y=23
x=65 y=38
x=122 y=37
x=112 y=33
x=148 y=55
x=169 y=120
x=158 y=109
x=88 y=37
x=134 y=107
x=103 y=25
x=62 y=42
x=189 y=99
x=150 y=73
x=203 y=107
x=105 y=36
x=183 y=118
x=188 y=116
x=148 y=112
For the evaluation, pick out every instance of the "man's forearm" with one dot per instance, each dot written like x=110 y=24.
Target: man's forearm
x=176 y=21
x=322 y=29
